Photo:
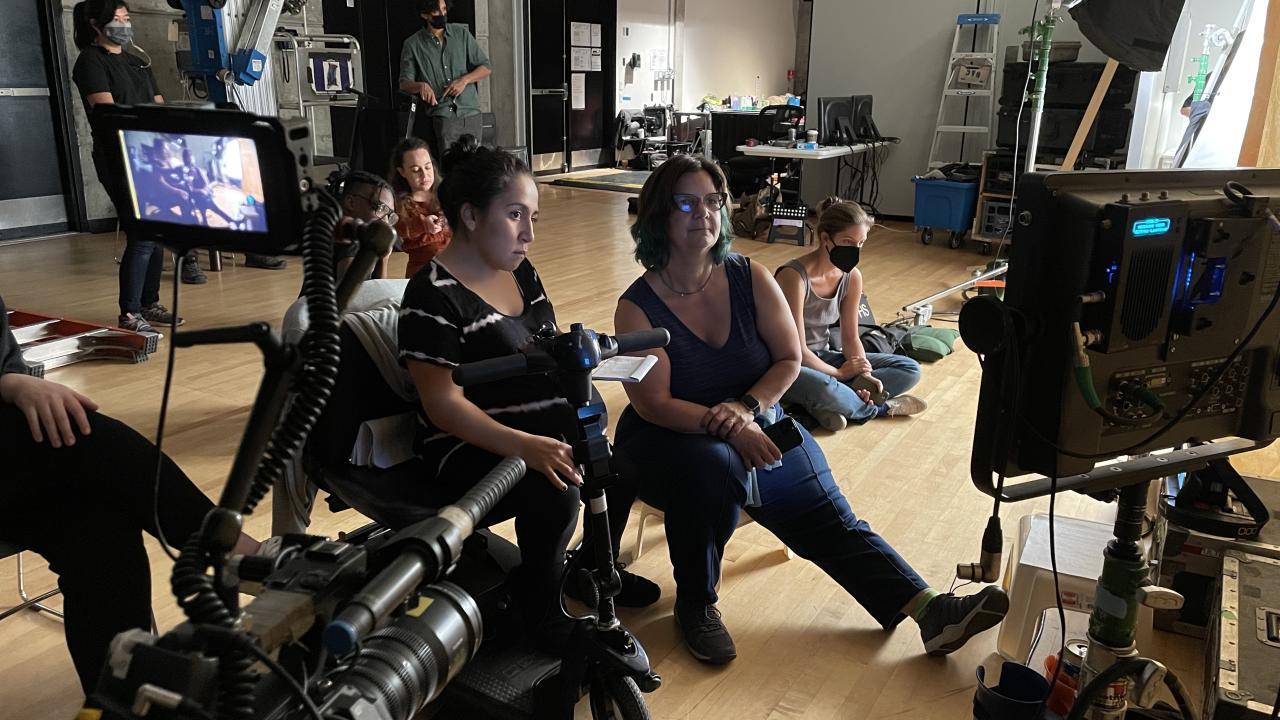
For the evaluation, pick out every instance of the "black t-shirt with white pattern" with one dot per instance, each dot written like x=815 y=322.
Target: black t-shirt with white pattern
x=444 y=323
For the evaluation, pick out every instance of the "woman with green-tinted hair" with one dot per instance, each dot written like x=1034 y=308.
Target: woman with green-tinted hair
x=694 y=437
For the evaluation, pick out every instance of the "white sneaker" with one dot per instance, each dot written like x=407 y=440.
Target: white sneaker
x=904 y=405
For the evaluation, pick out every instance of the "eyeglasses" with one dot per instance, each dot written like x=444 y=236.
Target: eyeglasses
x=381 y=210
x=688 y=203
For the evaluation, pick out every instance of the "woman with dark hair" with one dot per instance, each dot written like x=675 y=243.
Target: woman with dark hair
x=694 y=435
x=105 y=74
x=423 y=229
x=481 y=298
x=824 y=291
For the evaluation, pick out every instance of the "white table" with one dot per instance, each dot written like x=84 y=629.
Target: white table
x=825 y=152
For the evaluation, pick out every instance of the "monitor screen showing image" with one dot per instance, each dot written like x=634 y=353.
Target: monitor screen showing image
x=201 y=180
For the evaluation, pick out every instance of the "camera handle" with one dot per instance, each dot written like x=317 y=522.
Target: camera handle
x=280 y=360
x=275 y=432
x=571 y=357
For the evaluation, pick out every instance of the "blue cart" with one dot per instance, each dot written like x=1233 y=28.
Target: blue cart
x=944 y=205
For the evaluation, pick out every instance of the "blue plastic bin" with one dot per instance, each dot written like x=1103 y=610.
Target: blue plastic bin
x=945 y=205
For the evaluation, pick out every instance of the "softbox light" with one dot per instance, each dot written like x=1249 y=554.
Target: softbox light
x=1136 y=33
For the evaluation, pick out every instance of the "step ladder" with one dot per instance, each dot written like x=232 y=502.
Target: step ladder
x=49 y=342
x=970 y=75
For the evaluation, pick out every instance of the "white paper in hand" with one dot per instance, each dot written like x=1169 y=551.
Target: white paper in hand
x=624 y=368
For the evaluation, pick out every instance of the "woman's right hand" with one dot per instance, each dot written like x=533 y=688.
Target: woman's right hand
x=754 y=447
x=552 y=458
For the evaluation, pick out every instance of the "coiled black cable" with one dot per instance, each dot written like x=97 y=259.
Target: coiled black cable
x=320 y=353
x=320 y=350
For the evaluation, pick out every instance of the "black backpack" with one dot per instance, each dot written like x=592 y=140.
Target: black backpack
x=877 y=338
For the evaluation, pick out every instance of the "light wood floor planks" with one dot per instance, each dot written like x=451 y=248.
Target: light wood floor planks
x=806 y=650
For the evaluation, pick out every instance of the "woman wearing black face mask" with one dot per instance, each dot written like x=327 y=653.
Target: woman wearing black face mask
x=105 y=74
x=839 y=381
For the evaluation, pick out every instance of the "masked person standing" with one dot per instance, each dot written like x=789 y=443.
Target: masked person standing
x=105 y=74
x=838 y=378
x=441 y=64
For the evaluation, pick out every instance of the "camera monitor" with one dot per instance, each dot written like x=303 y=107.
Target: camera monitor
x=203 y=178
x=1138 y=315
x=212 y=181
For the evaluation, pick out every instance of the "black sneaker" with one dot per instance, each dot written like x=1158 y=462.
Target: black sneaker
x=266 y=262
x=191 y=273
x=636 y=591
x=159 y=314
x=705 y=634
x=949 y=621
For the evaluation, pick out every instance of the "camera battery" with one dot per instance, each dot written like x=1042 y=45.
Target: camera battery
x=1243 y=663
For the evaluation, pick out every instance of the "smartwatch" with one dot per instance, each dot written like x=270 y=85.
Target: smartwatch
x=752 y=404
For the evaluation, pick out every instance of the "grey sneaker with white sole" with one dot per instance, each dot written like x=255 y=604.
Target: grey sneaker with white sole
x=904 y=405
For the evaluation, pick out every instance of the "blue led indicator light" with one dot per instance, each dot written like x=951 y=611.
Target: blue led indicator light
x=1151 y=226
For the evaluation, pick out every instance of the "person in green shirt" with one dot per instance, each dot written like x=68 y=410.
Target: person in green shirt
x=441 y=64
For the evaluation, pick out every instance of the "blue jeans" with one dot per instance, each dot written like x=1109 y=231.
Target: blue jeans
x=698 y=482
x=817 y=391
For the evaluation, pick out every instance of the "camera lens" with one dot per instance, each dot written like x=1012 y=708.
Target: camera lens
x=403 y=666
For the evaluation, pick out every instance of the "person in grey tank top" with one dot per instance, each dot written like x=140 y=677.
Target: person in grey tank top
x=839 y=382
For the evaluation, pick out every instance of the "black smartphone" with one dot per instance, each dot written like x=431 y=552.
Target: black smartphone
x=785 y=434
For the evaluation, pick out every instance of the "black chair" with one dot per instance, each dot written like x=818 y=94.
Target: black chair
x=748 y=175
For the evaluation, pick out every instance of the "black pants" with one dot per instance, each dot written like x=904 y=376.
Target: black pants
x=84 y=509
x=446 y=129
x=142 y=261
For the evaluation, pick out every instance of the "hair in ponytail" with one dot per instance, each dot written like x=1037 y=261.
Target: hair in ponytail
x=88 y=16
x=475 y=175
x=835 y=215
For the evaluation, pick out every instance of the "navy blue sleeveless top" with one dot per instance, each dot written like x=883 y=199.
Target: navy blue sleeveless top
x=700 y=373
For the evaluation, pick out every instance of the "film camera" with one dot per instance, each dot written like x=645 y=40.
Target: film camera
x=375 y=625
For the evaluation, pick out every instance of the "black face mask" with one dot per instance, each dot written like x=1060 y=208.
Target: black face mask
x=436 y=21
x=845 y=257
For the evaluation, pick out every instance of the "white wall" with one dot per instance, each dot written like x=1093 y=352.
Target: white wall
x=643 y=26
x=897 y=52
x=729 y=43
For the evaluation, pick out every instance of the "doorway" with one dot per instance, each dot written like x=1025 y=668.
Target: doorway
x=38 y=200
x=572 y=78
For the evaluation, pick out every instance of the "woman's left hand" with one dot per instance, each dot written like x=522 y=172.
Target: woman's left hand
x=727 y=419
x=50 y=408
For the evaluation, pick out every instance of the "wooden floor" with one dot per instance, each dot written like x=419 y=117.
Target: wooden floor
x=806 y=649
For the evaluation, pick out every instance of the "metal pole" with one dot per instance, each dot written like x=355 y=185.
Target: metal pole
x=1042 y=76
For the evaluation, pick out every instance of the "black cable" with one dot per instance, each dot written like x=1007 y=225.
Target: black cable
x=164 y=413
x=234 y=638
x=278 y=669
x=1057 y=595
x=320 y=350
